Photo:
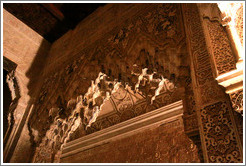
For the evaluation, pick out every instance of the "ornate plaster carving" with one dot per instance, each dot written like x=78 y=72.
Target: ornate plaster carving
x=237 y=101
x=225 y=61
x=220 y=134
x=197 y=44
x=218 y=131
x=60 y=103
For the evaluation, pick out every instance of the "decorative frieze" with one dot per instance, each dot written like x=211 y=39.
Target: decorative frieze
x=197 y=45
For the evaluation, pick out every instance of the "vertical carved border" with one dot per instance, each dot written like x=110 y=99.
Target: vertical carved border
x=220 y=141
x=225 y=60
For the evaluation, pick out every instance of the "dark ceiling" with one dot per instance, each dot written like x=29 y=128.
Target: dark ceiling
x=51 y=20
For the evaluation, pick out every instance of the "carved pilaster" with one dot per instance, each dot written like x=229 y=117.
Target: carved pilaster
x=218 y=132
x=227 y=66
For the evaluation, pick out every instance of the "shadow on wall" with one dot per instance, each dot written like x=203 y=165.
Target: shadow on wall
x=21 y=140
x=36 y=79
x=17 y=140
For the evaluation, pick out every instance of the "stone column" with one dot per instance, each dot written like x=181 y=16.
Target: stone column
x=218 y=132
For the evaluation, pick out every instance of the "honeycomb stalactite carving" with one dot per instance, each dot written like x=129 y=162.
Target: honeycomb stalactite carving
x=65 y=98
x=219 y=134
x=237 y=101
x=222 y=51
x=86 y=109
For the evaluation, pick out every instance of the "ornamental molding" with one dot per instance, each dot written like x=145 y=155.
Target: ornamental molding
x=148 y=120
x=232 y=81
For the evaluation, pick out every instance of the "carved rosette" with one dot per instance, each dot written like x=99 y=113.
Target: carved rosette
x=219 y=134
x=237 y=101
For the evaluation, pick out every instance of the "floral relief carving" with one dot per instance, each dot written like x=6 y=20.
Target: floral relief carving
x=189 y=97
x=161 y=22
x=43 y=155
x=237 y=101
x=222 y=51
x=60 y=93
x=219 y=134
x=217 y=128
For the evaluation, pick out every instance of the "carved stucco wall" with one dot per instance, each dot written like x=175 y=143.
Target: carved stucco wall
x=218 y=130
x=232 y=19
x=147 y=35
x=112 y=40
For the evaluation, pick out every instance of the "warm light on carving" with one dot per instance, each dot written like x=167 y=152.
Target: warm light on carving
x=230 y=16
x=229 y=11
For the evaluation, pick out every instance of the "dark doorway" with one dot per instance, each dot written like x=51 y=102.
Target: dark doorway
x=6 y=102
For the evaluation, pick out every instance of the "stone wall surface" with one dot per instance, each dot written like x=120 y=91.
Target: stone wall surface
x=25 y=47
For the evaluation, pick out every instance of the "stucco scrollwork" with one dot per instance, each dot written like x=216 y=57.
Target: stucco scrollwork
x=237 y=101
x=219 y=134
x=222 y=51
